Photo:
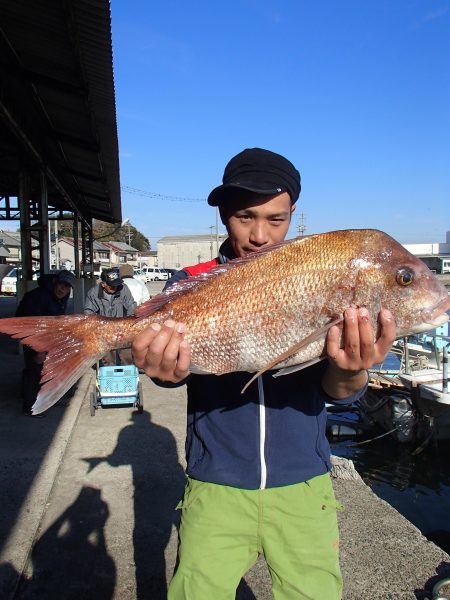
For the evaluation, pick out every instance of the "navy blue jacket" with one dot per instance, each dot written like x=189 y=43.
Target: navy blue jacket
x=270 y=436
x=41 y=301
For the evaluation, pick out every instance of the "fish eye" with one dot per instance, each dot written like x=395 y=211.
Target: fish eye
x=405 y=276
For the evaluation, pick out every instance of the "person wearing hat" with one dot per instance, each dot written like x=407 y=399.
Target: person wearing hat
x=138 y=289
x=49 y=299
x=111 y=298
x=258 y=464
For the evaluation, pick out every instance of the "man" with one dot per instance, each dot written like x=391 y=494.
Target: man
x=258 y=464
x=49 y=299
x=138 y=289
x=111 y=299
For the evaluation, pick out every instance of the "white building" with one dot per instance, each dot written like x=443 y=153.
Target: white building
x=433 y=253
x=176 y=252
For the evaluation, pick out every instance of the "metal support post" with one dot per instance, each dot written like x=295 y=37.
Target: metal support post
x=76 y=246
x=25 y=233
x=44 y=246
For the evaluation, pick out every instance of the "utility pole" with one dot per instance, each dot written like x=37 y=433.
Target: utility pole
x=211 y=227
x=217 y=231
x=301 y=227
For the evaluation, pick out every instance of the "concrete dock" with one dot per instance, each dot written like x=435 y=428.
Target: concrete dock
x=88 y=506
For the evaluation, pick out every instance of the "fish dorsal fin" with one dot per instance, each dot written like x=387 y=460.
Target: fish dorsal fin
x=186 y=285
x=312 y=337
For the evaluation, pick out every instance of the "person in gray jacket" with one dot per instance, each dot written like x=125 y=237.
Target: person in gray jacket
x=111 y=298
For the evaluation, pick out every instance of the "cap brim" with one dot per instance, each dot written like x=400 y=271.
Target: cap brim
x=65 y=281
x=221 y=193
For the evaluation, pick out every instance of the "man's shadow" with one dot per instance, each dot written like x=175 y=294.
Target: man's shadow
x=159 y=482
x=70 y=559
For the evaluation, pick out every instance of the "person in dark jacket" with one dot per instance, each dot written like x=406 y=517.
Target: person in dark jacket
x=258 y=464
x=111 y=298
x=49 y=299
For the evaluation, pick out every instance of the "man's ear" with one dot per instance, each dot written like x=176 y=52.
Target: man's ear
x=293 y=207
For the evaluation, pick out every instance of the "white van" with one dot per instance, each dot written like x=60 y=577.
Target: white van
x=9 y=281
x=445 y=266
x=154 y=274
x=138 y=274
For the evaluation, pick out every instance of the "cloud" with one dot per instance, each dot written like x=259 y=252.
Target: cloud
x=436 y=14
x=431 y=16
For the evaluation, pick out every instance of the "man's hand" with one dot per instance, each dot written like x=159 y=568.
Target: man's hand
x=346 y=372
x=162 y=353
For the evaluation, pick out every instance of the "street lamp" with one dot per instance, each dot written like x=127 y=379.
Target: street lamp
x=128 y=224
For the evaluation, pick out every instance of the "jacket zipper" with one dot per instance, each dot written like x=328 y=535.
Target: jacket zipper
x=262 y=434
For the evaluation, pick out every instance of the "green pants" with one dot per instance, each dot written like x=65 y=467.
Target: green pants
x=224 y=529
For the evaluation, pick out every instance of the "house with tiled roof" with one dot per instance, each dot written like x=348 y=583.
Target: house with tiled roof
x=121 y=252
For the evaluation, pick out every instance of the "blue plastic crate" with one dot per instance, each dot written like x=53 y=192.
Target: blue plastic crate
x=118 y=385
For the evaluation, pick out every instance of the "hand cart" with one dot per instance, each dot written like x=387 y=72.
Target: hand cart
x=117 y=386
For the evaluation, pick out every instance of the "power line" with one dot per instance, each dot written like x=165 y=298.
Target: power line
x=130 y=190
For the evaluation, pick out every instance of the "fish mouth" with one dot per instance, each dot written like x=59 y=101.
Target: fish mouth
x=437 y=314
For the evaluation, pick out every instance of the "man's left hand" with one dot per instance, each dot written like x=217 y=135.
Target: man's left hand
x=360 y=351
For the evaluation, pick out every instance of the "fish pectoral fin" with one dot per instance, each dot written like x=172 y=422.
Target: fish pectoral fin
x=295 y=368
x=198 y=370
x=309 y=339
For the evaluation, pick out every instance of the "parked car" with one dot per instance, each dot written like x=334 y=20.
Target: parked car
x=171 y=272
x=9 y=281
x=154 y=274
x=138 y=274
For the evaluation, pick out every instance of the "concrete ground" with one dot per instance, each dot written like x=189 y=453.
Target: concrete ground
x=88 y=506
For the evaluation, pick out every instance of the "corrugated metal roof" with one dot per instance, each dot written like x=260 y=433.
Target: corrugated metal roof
x=57 y=103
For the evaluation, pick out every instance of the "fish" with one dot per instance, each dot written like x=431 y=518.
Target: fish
x=271 y=309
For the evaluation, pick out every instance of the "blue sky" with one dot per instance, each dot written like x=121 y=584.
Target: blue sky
x=355 y=93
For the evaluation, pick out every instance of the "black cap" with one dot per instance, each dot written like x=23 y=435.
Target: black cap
x=67 y=277
x=260 y=171
x=112 y=277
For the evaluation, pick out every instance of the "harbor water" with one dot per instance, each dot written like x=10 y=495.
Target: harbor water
x=413 y=478
x=418 y=486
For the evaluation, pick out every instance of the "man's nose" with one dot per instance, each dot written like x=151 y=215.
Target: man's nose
x=259 y=234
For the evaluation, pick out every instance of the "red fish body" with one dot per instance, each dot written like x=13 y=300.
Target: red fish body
x=273 y=307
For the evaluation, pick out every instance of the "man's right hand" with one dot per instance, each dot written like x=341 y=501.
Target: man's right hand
x=162 y=353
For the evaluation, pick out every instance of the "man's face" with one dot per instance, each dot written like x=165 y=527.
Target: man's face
x=257 y=222
x=109 y=289
x=61 y=289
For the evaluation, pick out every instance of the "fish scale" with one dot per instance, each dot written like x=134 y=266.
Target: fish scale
x=270 y=309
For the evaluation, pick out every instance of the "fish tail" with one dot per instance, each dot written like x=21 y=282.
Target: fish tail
x=72 y=343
